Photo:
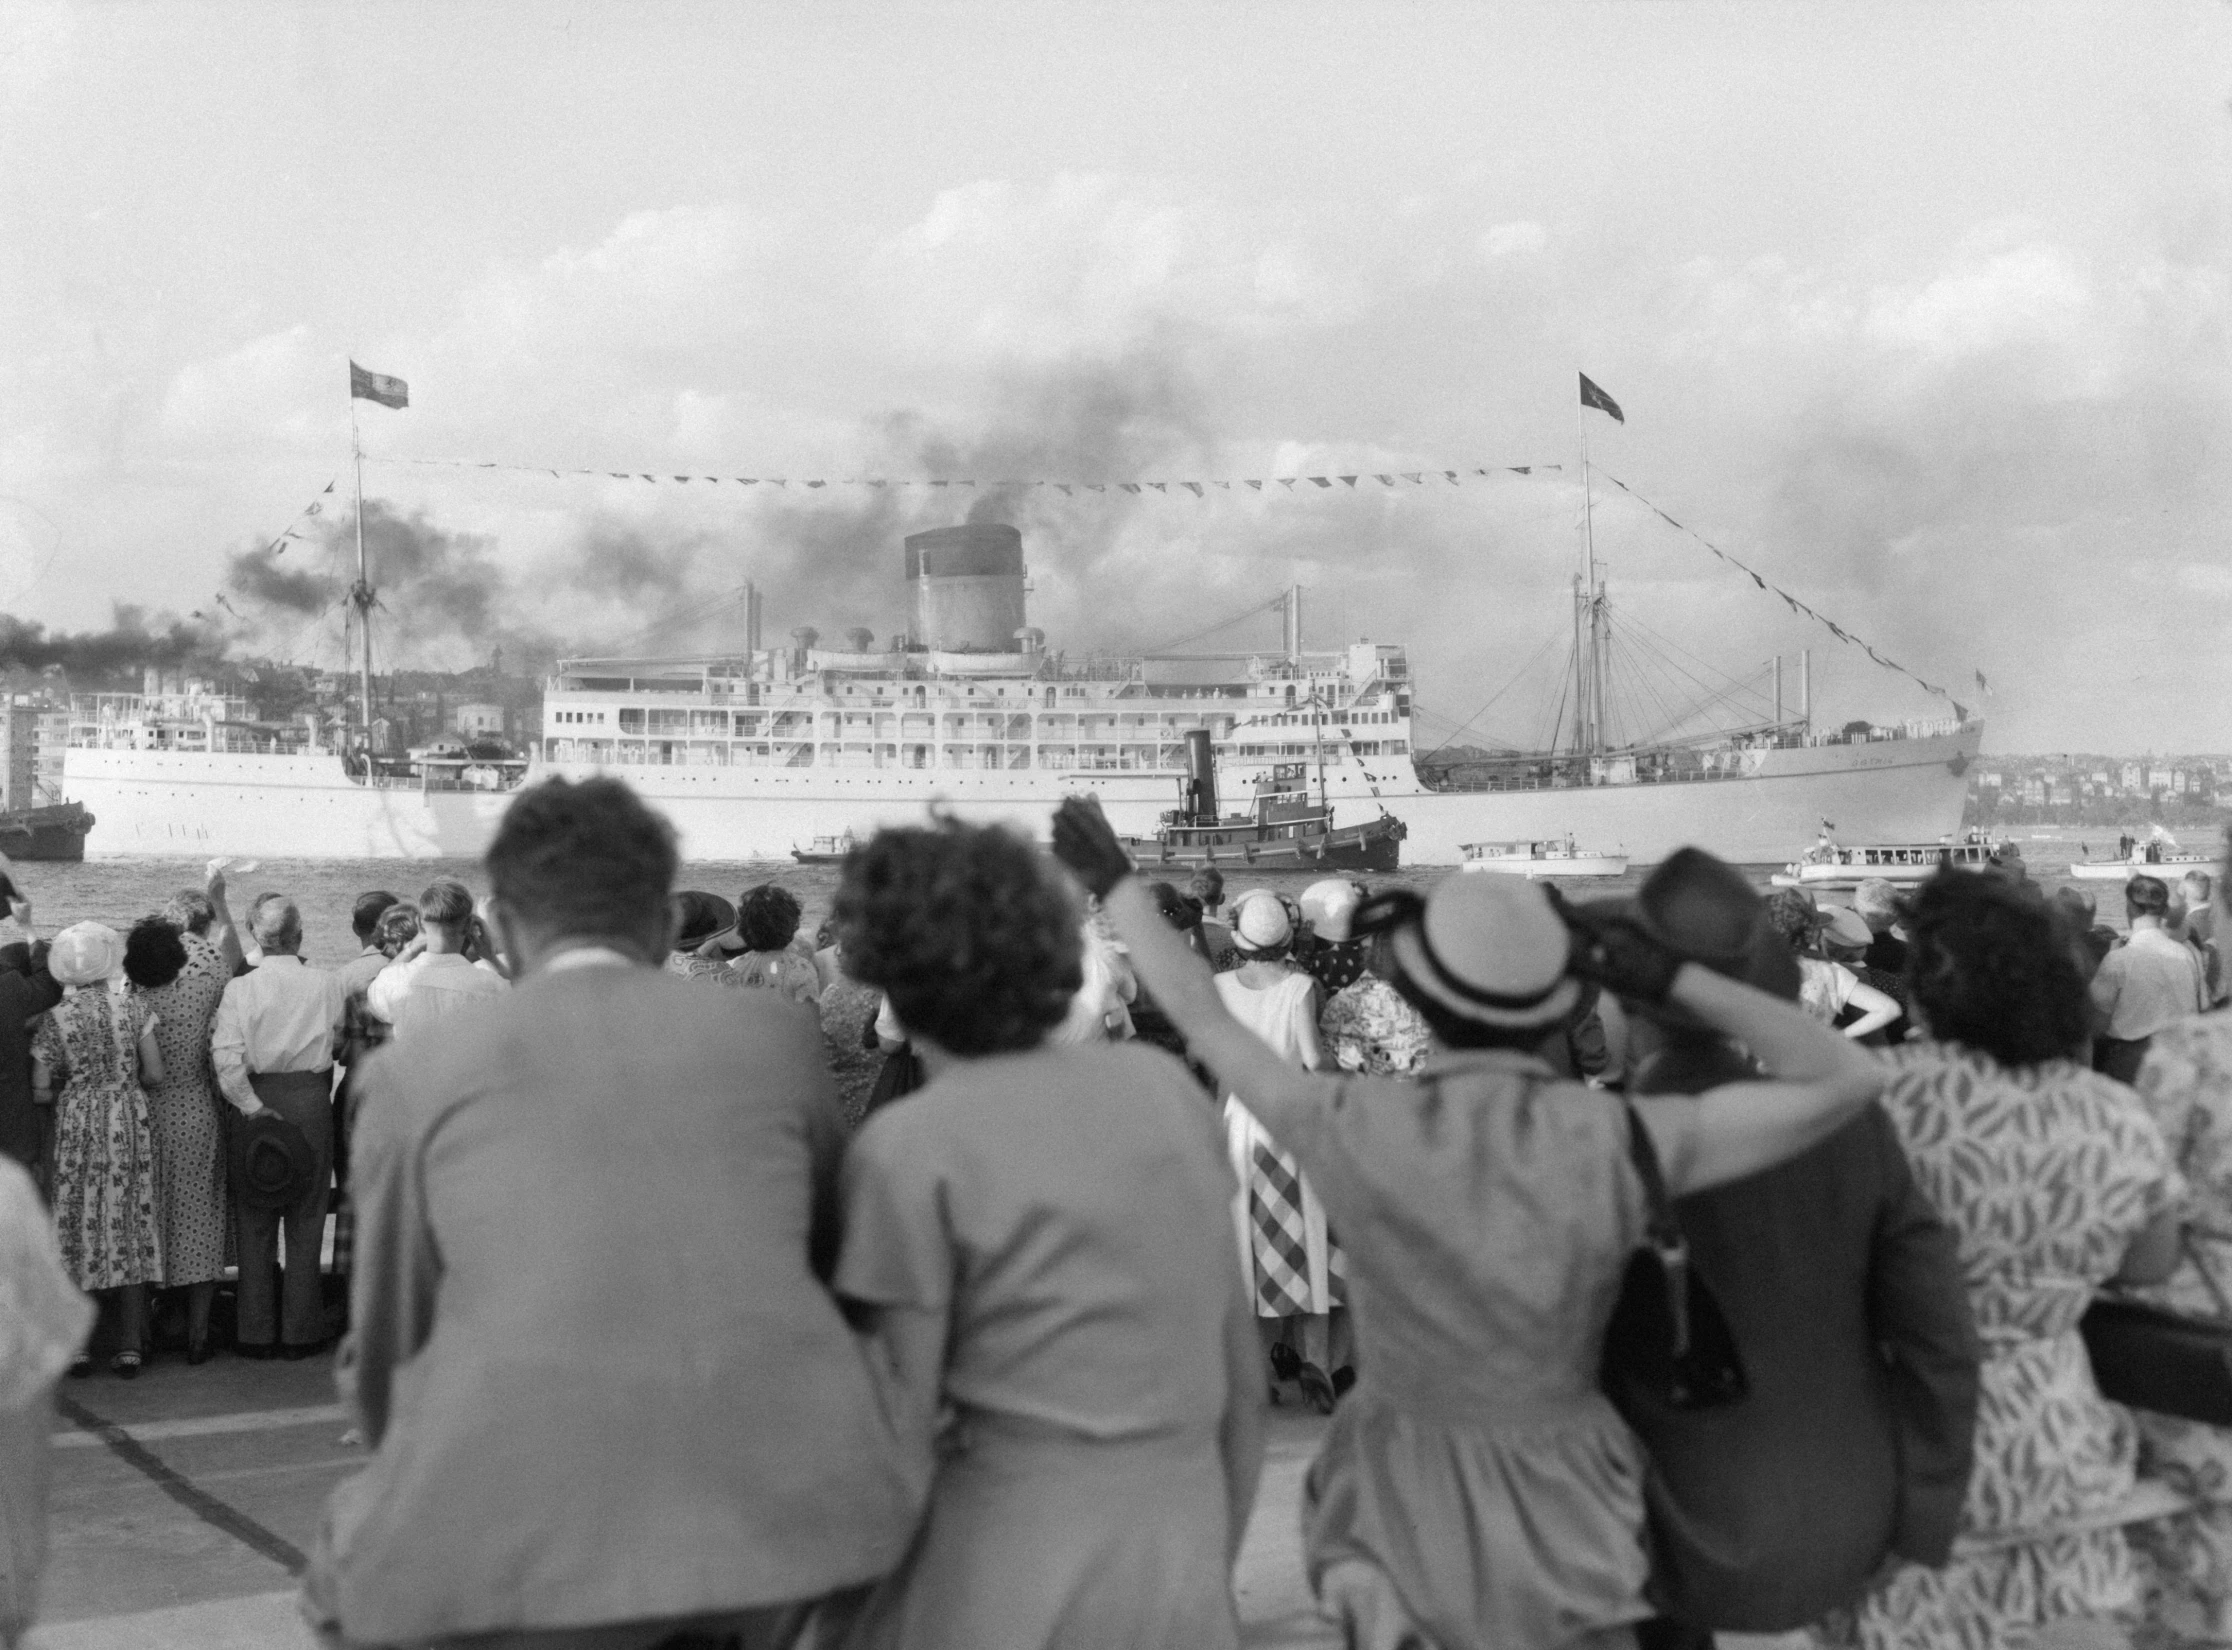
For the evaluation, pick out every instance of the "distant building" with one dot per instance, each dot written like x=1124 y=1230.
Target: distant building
x=2034 y=791
x=481 y=721
x=2134 y=777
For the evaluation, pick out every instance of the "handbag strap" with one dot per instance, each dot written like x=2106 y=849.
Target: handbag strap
x=1661 y=1230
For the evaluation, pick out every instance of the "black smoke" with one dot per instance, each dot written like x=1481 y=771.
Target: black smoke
x=131 y=643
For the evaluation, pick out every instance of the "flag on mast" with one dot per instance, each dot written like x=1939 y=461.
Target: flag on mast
x=378 y=386
x=1592 y=396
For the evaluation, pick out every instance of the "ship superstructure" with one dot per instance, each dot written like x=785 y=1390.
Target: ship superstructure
x=755 y=750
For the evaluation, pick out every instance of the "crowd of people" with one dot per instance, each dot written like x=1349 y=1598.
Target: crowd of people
x=1699 y=1262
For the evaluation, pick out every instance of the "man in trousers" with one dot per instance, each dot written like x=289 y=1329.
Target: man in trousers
x=273 y=1044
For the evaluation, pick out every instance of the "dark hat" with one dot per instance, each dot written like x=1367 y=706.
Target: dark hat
x=1703 y=908
x=271 y=1162
x=698 y=917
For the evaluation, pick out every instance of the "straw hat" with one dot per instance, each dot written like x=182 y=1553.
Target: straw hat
x=1492 y=950
x=699 y=916
x=1330 y=906
x=85 y=953
x=1260 y=921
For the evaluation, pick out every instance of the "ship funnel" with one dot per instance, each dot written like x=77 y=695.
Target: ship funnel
x=1201 y=778
x=968 y=588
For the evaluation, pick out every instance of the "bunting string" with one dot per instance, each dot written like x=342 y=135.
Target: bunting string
x=1391 y=479
x=316 y=507
x=1792 y=602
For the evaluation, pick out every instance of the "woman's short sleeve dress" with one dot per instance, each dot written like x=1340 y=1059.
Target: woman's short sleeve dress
x=183 y=1109
x=2045 y=1173
x=1489 y=1209
x=2186 y=1559
x=1066 y=1212
x=1287 y=1252
x=104 y=1146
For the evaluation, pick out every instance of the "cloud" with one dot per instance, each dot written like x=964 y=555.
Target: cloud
x=267 y=390
x=1510 y=240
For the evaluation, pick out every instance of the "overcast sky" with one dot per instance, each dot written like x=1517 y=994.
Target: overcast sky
x=1921 y=310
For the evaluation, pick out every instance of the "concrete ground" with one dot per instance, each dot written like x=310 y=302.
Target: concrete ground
x=182 y=1503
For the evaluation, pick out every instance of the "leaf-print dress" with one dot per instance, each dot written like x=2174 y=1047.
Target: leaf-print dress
x=104 y=1146
x=2186 y=1083
x=2045 y=1174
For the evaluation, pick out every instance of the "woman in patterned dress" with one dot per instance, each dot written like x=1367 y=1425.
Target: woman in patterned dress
x=179 y=976
x=1294 y=1270
x=89 y=1060
x=2186 y=1083
x=2054 y=1180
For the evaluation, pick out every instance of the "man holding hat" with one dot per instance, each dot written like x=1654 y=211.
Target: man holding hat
x=1844 y=1292
x=273 y=1044
x=1476 y=1487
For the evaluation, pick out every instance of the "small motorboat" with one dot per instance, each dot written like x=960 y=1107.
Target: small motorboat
x=1557 y=858
x=826 y=850
x=2169 y=867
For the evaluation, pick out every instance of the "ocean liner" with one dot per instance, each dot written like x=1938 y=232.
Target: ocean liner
x=752 y=751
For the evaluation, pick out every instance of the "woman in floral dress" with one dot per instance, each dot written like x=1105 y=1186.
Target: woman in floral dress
x=89 y=1059
x=2186 y=1083
x=180 y=976
x=2054 y=1180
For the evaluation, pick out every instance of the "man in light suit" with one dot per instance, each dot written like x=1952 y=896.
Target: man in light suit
x=610 y=1402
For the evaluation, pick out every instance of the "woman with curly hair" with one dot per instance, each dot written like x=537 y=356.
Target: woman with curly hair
x=1826 y=988
x=1040 y=1240
x=767 y=919
x=2054 y=1180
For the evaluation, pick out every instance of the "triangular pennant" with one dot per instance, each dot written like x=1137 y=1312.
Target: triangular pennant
x=937 y=484
x=1414 y=477
x=1095 y=486
x=1288 y=482
x=317 y=509
x=654 y=480
x=1064 y=487
x=1756 y=579
x=747 y=481
x=685 y=480
x=1384 y=481
x=1257 y=485
x=619 y=475
x=1160 y=486
x=1195 y=486
x=1452 y=474
x=1321 y=481
x=777 y=481
x=1129 y=486
x=1351 y=480
x=817 y=484
x=335 y=482
x=1959 y=709
x=1523 y=469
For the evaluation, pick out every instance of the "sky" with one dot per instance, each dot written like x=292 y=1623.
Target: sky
x=1922 y=311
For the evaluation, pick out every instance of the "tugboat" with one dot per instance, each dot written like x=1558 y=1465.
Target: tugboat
x=56 y=832
x=1286 y=831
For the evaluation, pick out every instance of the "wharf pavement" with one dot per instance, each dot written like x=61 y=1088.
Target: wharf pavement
x=182 y=1503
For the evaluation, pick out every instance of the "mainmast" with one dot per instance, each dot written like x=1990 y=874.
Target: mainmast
x=361 y=593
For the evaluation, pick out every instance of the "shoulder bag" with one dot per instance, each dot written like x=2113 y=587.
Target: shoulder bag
x=2156 y=1358
x=1668 y=1338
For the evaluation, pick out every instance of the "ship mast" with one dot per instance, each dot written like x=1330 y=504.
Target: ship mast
x=1591 y=645
x=360 y=593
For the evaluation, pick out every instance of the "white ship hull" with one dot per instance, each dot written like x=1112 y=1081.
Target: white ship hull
x=194 y=804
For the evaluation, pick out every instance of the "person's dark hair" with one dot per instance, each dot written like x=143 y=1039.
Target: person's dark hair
x=1181 y=911
x=1990 y=968
x=364 y=917
x=698 y=916
x=967 y=929
x=398 y=926
x=2146 y=897
x=1792 y=913
x=766 y=917
x=585 y=860
x=153 y=953
x=1208 y=882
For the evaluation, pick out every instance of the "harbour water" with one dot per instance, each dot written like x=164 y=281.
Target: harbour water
x=119 y=891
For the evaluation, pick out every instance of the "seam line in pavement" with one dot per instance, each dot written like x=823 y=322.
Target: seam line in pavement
x=209 y=1426
x=183 y=1490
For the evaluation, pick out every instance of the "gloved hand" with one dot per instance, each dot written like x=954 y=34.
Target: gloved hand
x=1618 y=953
x=1084 y=842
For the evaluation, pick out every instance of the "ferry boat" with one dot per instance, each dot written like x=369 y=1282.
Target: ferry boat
x=1902 y=864
x=1556 y=858
x=826 y=850
x=755 y=750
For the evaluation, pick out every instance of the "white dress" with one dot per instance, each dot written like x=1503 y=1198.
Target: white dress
x=1289 y=1262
